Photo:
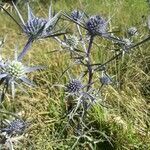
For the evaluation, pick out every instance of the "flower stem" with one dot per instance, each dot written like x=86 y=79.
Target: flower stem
x=90 y=72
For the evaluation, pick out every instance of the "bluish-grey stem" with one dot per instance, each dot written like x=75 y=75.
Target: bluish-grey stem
x=90 y=72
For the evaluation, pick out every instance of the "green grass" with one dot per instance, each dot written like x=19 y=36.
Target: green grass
x=124 y=125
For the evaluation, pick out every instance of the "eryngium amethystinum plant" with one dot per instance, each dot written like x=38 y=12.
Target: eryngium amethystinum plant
x=14 y=72
x=81 y=96
x=95 y=25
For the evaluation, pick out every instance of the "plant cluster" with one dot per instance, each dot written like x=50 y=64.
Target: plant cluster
x=82 y=91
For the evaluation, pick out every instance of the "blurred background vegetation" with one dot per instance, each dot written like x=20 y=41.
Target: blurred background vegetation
x=124 y=125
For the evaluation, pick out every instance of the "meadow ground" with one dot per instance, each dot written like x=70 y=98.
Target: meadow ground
x=124 y=124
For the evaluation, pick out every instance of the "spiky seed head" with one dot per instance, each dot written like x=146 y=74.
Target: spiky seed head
x=96 y=24
x=74 y=86
x=132 y=31
x=72 y=41
x=76 y=15
x=105 y=80
x=15 y=69
x=33 y=26
x=15 y=127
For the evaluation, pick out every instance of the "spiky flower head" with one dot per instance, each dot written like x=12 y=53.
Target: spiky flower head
x=38 y=27
x=72 y=41
x=74 y=86
x=96 y=25
x=76 y=15
x=132 y=31
x=32 y=27
x=15 y=127
x=14 y=69
x=13 y=73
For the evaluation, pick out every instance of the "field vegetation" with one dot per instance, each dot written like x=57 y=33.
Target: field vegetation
x=120 y=118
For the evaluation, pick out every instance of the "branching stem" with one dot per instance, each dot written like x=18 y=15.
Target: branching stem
x=88 y=59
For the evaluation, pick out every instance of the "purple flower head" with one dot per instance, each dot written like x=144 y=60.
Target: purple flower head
x=39 y=27
x=96 y=25
x=36 y=27
x=74 y=86
x=32 y=26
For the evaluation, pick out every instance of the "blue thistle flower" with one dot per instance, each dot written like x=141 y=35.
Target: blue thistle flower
x=74 y=86
x=32 y=26
x=39 y=27
x=14 y=69
x=15 y=127
x=35 y=27
x=13 y=72
x=96 y=25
